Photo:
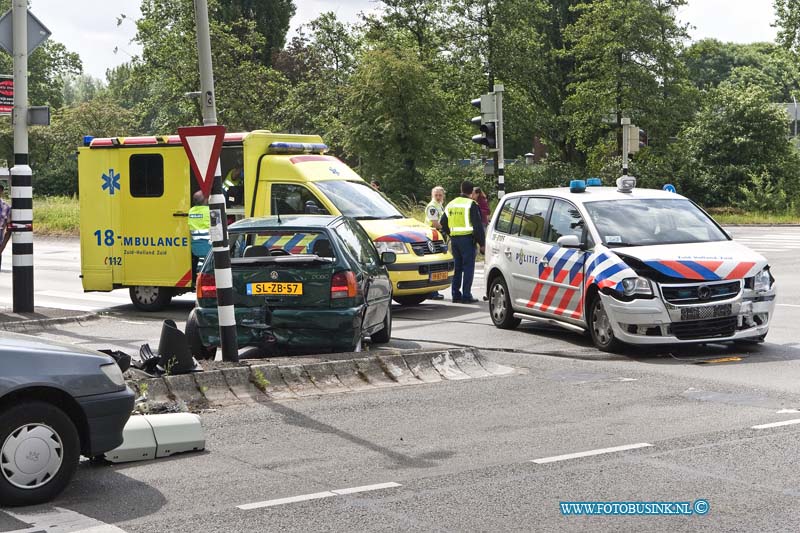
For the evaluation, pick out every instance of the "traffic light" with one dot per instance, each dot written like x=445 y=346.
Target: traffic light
x=633 y=139
x=487 y=121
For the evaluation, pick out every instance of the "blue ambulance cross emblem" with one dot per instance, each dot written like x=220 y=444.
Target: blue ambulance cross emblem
x=111 y=181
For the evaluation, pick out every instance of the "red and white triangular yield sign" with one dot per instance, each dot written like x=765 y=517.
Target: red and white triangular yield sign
x=203 y=145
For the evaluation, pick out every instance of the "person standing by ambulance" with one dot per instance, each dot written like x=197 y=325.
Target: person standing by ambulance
x=199 y=229
x=433 y=214
x=462 y=221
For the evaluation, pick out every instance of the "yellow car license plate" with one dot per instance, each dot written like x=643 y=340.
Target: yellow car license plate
x=439 y=276
x=272 y=288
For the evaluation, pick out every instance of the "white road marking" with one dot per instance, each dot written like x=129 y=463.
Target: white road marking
x=367 y=488
x=787 y=305
x=778 y=424
x=58 y=520
x=590 y=453
x=787 y=411
x=317 y=496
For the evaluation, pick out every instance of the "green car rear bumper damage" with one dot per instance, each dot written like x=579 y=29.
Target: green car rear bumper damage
x=336 y=329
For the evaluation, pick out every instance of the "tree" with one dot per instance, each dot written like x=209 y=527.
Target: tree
x=398 y=120
x=270 y=17
x=248 y=92
x=737 y=137
x=54 y=147
x=711 y=62
x=628 y=64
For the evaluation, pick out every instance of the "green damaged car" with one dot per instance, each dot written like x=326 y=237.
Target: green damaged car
x=306 y=282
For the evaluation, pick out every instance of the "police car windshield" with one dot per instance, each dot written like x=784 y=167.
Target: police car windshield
x=651 y=222
x=358 y=200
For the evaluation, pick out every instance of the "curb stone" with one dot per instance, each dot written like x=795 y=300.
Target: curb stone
x=215 y=388
x=42 y=323
x=239 y=383
x=299 y=381
x=275 y=386
x=265 y=382
x=184 y=387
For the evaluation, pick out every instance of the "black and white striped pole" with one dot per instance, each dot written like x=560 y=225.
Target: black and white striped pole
x=21 y=186
x=216 y=202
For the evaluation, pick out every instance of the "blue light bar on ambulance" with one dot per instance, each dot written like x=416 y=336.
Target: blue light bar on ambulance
x=87 y=140
x=594 y=182
x=577 y=186
x=297 y=148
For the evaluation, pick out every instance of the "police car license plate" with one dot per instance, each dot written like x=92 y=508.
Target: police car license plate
x=439 y=276
x=272 y=288
x=703 y=313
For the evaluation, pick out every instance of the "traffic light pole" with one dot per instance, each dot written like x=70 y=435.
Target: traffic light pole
x=500 y=165
x=21 y=175
x=216 y=202
x=626 y=124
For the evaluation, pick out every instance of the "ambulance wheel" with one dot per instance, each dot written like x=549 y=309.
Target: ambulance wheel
x=600 y=326
x=411 y=299
x=500 y=305
x=385 y=334
x=150 y=298
x=39 y=452
x=198 y=349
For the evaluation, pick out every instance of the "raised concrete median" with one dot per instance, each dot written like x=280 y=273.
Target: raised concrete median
x=255 y=381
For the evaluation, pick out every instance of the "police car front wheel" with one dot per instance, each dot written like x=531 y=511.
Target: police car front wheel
x=500 y=305
x=600 y=327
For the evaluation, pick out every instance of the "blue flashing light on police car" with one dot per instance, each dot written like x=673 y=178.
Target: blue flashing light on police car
x=297 y=148
x=577 y=186
x=594 y=182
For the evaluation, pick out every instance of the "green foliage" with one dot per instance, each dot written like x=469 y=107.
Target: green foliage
x=398 y=120
x=736 y=137
x=711 y=62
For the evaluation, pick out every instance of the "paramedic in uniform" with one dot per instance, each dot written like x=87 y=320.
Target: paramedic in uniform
x=199 y=228
x=462 y=221
x=433 y=214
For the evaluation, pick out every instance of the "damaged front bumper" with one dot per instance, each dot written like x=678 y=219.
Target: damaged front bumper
x=656 y=321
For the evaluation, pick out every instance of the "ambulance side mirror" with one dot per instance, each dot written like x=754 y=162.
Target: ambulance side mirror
x=311 y=208
x=569 y=241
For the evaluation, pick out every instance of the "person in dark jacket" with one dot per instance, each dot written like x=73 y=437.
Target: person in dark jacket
x=462 y=222
x=483 y=204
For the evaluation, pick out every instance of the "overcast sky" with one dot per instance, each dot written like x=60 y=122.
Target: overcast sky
x=90 y=28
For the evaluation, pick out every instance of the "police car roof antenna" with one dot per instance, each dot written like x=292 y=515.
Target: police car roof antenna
x=277 y=211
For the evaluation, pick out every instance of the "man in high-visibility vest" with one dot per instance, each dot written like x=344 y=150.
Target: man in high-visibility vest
x=433 y=214
x=199 y=229
x=462 y=221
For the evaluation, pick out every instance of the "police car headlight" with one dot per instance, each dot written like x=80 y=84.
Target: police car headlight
x=392 y=246
x=763 y=280
x=637 y=287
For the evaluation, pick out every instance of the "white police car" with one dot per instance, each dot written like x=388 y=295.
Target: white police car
x=637 y=266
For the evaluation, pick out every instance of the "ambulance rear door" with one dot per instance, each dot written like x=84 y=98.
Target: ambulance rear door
x=154 y=232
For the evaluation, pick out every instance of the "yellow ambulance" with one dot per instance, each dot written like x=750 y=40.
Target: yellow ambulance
x=135 y=196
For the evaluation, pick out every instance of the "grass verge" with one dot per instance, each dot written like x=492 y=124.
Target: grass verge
x=728 y=215
x=56 y=215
